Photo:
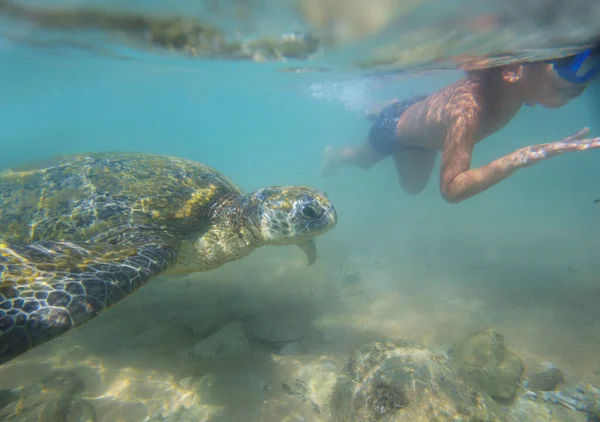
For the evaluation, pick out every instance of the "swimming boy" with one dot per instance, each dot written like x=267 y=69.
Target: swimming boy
x=456 y=118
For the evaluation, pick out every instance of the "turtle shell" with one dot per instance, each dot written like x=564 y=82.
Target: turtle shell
x=79 y=197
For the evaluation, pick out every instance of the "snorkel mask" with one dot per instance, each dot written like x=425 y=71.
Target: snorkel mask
x=580 y=68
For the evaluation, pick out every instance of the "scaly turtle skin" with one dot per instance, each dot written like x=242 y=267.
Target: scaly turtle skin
x=81 y=232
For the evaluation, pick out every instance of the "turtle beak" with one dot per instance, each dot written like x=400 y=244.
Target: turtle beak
x=310 y=249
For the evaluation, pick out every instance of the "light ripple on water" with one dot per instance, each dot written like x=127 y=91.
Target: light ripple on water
x=309 y=35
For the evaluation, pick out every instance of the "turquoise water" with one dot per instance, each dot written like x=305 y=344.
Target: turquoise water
x=521 y=257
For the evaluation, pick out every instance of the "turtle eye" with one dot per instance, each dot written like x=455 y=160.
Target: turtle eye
x=309 y=211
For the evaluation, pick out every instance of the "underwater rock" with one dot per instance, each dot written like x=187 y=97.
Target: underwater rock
x=594 y=411
x=484 y=359
x=578 y=398
x=192 y=413
x=149 y=338
x=242 y=304
x=6 y=398
x=241 y=393
x=201 y=323
x=402 y=381
x=327 y=333
x=53 y=399
x=68 y=409
x=289 y=349
x=228 y=341
x=525 y=410
x=314 y=383
x=186 y=382
x=278 y=326
x=546 y=379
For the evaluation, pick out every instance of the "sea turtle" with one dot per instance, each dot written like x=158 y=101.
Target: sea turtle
x=78 y=233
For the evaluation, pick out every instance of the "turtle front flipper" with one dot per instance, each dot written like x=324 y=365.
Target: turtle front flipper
x=47 y=288
x=310 y=249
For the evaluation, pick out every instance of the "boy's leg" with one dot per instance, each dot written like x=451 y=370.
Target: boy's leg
x=414 y=167
x=363 y=156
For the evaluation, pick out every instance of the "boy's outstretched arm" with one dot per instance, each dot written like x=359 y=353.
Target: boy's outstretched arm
x=458 y=182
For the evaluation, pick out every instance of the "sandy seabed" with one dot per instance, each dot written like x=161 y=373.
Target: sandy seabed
x=137 y=359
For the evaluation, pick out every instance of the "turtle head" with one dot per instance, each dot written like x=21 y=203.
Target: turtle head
x=293 y=215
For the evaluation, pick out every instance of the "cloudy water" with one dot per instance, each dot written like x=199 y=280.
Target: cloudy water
x=416 y=309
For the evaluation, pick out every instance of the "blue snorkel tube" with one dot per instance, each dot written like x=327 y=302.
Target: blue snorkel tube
x=570 y=68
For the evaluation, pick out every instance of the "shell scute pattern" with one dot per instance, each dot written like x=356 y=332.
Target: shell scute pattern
x=79 y=197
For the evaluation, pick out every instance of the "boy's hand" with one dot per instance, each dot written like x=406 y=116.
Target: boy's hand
x=536 y=153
